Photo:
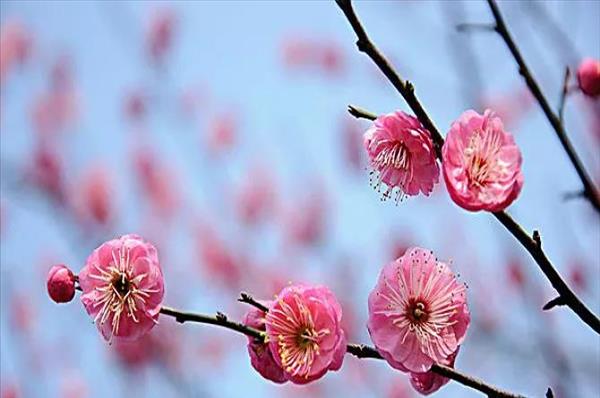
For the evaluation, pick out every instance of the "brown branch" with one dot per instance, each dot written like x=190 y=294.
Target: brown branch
x=532 y=246
x=405 y=88
x=563 y=96
x=590 y=190
x=219 y=319
x=358 y=350
x=248 y=299
x=360 y=113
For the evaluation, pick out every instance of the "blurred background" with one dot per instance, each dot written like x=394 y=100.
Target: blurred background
x=219 y=132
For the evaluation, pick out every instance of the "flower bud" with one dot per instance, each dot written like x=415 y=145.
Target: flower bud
x=61 y=284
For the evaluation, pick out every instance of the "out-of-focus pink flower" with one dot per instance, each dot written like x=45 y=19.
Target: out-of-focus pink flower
x=222 y=133
x=256 y=197
x=304 y=332
x=161 y=345
x=352 y=143
x=53 y=110
x=332 y=59
x=305 y=222
x=61 y=284
x=304 y=53
x=157 y=181
x=135 y=106
x=401 y=155
x=512 y=106
x=261 y=357
x=93 y=196
x=73 y=386
x=46 y=171
x=160 y=33
x=296 y=52
x=399 y=389
x=418 y=312
x=22 y=313
x=123 y=287
x=429 y=382
x=516 y=276
x=588 y=77
x=15 y=46
x=481 y=163
x=10 y=390
x=577 y=275
x=217 y=258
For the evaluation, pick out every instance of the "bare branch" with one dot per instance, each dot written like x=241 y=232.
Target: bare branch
x=248 y=299
x=563 y=96
x=590 y=190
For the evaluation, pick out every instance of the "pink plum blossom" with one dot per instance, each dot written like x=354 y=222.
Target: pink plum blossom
x=261 y=356
x=588 y=77
x=123 y=287
x=418 y=313
x=429 y=382
x=401 y=155
x=481 y=163
x=61 y=284
x=304 y=332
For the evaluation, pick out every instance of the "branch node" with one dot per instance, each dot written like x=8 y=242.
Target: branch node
x=221 y=317
x=557 y=301
x=408 y=86
x=537 y=238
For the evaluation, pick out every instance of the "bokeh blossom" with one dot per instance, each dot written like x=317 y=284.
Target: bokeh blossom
x=304 y=332
x=588 y=77
x=401 y=156
x=481 y=163
x=122 y=285
x=261 y=356
x=418 y=312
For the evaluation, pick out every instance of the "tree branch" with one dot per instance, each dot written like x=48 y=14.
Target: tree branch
x=358 y=350
x=590 y=190
x=532 y=246
x=563 y=96
x=218 y=320
x=248 y=299
x=404 y=87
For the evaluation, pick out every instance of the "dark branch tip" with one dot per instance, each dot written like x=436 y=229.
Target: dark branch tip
x=557 y=301
x=537 y=238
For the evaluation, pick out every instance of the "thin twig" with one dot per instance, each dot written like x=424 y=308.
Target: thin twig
x=361 y=113
x=358 y=350
x=563 y=96
x=219 y=320
x=248 y=299
x=405 y=88
x=407 y=91
x=469 y=27
x=590 y=190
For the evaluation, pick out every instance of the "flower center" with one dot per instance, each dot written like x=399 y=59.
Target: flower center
x=417 y=312
x=394 y=155
x=121 y=283
x=481 y=157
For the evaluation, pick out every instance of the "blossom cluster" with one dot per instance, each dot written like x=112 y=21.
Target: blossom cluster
x=418 y=314
x=481 y=163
